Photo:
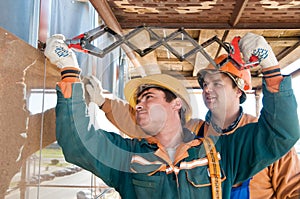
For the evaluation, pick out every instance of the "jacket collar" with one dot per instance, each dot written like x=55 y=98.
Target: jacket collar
x=229 y=128
x=187 y=137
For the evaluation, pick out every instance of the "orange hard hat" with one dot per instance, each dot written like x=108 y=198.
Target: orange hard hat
x=242 y=78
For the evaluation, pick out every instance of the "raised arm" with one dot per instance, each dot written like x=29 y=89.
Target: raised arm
x=105 y=154
x=277 y=129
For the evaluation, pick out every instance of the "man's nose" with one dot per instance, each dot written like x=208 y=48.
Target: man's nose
x=139 y=107
x=207 y=88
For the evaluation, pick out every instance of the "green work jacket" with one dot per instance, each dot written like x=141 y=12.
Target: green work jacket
x=140 y=168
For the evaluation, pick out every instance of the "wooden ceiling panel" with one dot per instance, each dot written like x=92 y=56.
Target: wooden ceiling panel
x=278 y=21
x=207 y=14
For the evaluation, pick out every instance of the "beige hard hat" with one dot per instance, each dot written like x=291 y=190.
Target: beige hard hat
x=242 y=78
x=160 y=80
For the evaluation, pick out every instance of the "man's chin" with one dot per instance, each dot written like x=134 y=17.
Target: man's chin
x=149 y=131
x=210 y=106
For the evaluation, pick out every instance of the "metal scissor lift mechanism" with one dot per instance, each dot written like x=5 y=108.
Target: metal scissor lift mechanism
x=83 y=42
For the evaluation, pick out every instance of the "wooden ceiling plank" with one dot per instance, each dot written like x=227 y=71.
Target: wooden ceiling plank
x=290 y=58
x=105 y=12
x=237 y=12
x=279 y=25
x=224 y=37
x=287 y=51
x=215 y=25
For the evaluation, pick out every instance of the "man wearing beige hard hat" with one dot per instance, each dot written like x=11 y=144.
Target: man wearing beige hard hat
x=162 y=107
x=172 y=162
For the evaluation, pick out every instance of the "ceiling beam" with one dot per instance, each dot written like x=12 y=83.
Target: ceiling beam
x=282 y=39
x=224 y=37
x=106 y=14
x=237 y=12
x=287 y=51
x=211 y=25
x=296 y=73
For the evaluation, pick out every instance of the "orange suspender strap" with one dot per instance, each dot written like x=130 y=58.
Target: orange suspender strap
x=214 y=168
x=213 y=161
x=195 y=127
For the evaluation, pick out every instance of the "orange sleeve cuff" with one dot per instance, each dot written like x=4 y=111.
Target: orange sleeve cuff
x=273 y=78
x=69 y=75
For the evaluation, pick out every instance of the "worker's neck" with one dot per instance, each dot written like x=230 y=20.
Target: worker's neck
x=224 y=120
x=171 y=135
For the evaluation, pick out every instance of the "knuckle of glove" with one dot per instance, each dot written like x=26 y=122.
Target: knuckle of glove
x=252 y=44
x=94 y=90
x=58 y=52
x=91 y=93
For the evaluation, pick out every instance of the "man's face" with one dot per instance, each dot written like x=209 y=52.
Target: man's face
x=152 y=111
x=218 y=92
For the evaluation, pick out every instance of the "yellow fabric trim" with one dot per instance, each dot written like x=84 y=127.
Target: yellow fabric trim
x=214 y=168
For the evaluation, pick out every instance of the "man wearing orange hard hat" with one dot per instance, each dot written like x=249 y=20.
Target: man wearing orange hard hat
x=224 y=89
x=241 y=78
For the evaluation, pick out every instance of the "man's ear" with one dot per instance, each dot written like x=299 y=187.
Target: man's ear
x=177 y=103
x=239 y=92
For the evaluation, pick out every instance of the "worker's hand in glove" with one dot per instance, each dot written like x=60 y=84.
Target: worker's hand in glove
x=58 y=52
x=94 y=90
x=252 y=44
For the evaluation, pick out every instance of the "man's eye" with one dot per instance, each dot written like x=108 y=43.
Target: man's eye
x=148 y=96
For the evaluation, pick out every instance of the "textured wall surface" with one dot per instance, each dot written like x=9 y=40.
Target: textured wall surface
x=22 y=68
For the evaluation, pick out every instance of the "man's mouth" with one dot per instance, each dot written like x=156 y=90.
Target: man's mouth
x=210 y=99
x=141 y=112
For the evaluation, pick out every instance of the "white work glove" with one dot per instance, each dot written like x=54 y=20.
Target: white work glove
x=58 y=52
x=252 y=44
x=94 y=90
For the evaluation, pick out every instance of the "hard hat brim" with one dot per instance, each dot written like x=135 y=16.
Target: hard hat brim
x=160 y=80
x=203 y=72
